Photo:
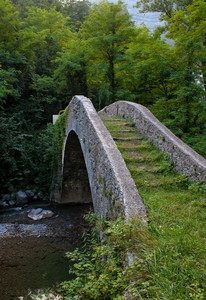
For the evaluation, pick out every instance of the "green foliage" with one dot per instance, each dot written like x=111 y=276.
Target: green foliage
x=185 y=111
x=9 y=25
x=11 y=148
x=187 y=28
x=70 y=74
x=101 y=271
x=58 y=143
x=31 y=34
x=107 y=32
x=77 y=11
x=8 y=78
x=166 y=7
x=23 y=5
x=25 y=158
x=198 y=187
x=42 y=160
x=146 y=69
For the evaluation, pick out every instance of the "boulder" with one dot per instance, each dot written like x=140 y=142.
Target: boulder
x=11 y=203
x=40 y=197
x=39 y=214
x=35 y=198
x=21 y=198
x=30 y=194
x=6 y=197
x=4 y=204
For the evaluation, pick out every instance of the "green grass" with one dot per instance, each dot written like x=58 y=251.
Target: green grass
x=176 y=220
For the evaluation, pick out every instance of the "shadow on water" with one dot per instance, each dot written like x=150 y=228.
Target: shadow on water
x=32 y=253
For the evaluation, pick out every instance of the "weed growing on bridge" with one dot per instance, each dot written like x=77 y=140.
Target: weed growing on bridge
x=58 y=142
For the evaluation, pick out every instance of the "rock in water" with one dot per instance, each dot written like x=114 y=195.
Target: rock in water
x=30 y=194
x=6 y=197
x=11 y=203
x=39 y=213
x=21 y=198
x=4 y=204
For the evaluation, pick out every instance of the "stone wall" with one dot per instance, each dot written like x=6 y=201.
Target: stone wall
x=185 y=160
x=113 y=190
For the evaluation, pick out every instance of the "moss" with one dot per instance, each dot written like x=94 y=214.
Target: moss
x=58 y=143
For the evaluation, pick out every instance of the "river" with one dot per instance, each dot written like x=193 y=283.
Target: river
x=32 y=253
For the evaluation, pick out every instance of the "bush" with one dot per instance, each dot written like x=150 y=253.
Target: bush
x=103 y=270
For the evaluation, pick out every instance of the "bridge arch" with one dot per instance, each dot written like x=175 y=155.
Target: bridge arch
x=113 y=191
x=75 y=181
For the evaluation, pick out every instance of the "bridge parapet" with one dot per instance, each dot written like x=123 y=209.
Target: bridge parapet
x=185 y=160
x=87 y=141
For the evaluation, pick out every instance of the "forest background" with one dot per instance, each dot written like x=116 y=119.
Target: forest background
x=51 y=50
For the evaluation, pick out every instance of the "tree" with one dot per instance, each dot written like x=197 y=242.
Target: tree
x=28 y=46
x=45 y=34
x=165 y=7
x=76 y=10
x=184 y=111
x=147 y=68
x=22 y=6
x=107 y=32
x=187 y=29
x=70 y=75
x=10 y=26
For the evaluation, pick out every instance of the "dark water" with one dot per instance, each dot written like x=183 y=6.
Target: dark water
x=32 y=253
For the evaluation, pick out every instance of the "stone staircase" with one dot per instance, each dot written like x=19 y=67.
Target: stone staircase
x=147 y=165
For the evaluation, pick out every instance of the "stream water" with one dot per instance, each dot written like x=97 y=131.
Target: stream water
x=32 y=253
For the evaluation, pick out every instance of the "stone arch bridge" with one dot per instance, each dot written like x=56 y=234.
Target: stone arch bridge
x=93 y=168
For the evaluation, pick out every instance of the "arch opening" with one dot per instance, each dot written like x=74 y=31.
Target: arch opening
x=75 y=183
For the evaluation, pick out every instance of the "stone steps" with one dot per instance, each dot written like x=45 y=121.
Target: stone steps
x=124 y=139
x=112 y=120
x=140 y=158
x=122 y=131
